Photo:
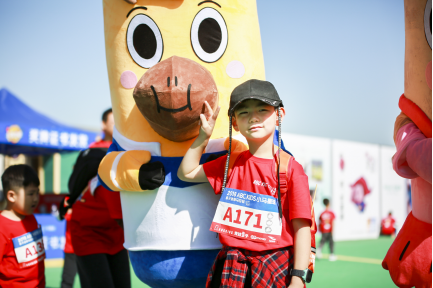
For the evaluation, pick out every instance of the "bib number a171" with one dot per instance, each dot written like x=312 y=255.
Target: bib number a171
x=248 y=215
x=29 y=248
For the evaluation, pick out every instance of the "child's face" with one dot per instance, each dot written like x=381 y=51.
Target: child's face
x=255 y=119
x=25 y=200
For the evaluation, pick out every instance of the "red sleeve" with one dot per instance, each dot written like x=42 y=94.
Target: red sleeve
x=333 y=215
x=298 y=193
x=214 y=171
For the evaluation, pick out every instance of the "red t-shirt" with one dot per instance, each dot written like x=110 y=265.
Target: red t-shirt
x=258 y=175
x=388 y=225
x=11 y=275
x=326 y=219
x=93 y=231
x=112 y=198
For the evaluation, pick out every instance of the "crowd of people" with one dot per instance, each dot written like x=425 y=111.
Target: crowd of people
x=94 y=234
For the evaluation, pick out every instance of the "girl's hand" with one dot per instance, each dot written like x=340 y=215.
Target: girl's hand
x=296 y=284
x=208 y=120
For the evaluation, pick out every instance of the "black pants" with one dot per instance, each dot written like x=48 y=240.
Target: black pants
x=104 y=270
x=219 y=267
x=327 y=237
x=69 y=270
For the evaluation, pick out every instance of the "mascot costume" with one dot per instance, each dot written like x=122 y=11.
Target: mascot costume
x=409 y=260
x=164 y=58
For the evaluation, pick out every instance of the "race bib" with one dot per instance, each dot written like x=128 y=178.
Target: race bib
x=29 y=248
x=248 y=215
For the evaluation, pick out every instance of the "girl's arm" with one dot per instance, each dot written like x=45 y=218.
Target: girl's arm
x=302 y=246
x=190 y=169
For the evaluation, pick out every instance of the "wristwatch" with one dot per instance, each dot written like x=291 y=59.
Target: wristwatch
x=305 y=275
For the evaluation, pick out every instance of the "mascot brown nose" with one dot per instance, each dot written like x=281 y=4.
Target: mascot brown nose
x=170 y=95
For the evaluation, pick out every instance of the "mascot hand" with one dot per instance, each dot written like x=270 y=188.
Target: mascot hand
x=151 y=175
x=121 y=171
x=414 y=152
x=409 y=258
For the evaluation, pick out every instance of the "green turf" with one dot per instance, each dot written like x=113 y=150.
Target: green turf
x=328 y=274
x=351 y=274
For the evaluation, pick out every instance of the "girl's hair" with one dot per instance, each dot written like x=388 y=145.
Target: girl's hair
x=278 y=167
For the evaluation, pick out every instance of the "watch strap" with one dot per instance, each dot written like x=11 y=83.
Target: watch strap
x=299 y=273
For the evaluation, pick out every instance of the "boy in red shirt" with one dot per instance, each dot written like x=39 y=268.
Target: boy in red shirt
x=265 y=238
x=326 y=221
x=387 y=226
x=22 y=250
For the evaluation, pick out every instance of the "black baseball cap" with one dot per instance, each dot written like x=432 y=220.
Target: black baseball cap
x=255 y=89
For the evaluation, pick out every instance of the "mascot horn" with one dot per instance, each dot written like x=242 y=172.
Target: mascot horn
x=409 y=260
x=164 y=58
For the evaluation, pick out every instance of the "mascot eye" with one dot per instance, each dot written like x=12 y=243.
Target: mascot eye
x=209 y=35
x=427 y=22
x=144 y=41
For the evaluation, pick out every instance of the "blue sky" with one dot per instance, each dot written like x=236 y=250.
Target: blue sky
x=338 y=65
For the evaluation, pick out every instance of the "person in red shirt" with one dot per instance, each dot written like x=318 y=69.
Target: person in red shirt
x=96 y=236
x=22 y=251
x=111 y=198
x=262 y=237
x=387 y=226
x=70 y=265
x=326 y=221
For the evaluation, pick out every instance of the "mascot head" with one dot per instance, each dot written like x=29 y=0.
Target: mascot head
x=165 y=57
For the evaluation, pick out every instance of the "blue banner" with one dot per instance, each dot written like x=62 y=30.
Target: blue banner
x=53 y=231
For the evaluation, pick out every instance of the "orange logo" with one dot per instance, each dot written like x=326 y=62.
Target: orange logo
x=14 y=134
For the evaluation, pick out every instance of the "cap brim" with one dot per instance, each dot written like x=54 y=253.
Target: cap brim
x=274 y=103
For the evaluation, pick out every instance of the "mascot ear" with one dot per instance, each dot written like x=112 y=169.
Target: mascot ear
x=131 y=1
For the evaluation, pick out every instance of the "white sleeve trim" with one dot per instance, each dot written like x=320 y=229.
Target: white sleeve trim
x=113 y=171
x=153 y=147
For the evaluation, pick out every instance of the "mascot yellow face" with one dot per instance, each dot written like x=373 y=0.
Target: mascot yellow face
x=418 y=54
x=165 y=57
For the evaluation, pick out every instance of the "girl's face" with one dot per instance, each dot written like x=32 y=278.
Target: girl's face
x=255 y=119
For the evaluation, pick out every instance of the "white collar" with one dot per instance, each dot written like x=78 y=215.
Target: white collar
x=153 y=147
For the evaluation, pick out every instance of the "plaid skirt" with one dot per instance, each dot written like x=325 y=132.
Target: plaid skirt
x=268 y=268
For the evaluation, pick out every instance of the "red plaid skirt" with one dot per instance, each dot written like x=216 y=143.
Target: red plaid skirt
x=268 y=268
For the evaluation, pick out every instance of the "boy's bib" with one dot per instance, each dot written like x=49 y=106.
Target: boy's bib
x=248 y=215
x=29 y=248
